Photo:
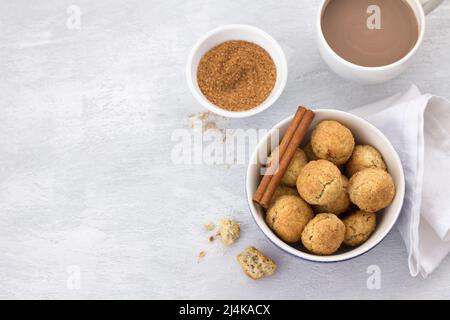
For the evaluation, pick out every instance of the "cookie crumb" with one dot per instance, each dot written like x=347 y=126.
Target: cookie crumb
x=201 y=255
x=211 y=239
x=207 y=121
x=209 y=226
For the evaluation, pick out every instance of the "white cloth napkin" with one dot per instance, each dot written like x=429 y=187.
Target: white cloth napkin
x=418 y=126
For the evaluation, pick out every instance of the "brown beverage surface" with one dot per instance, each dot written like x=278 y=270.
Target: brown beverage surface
x=344 y=25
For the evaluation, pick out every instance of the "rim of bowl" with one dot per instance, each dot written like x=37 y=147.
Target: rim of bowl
x=238 y=114
x=405 y=58
x=353 y=253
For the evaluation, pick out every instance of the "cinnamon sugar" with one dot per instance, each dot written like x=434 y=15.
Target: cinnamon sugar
x=236 y=75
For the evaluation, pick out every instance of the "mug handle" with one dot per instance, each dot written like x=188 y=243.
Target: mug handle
x=430 y=5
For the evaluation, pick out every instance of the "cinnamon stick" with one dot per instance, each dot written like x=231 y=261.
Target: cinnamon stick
x=285 y=160
x=273 y=165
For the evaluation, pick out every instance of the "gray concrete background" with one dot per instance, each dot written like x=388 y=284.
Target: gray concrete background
x=86 y=177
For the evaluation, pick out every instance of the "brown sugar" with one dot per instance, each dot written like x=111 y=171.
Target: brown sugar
x=236 y=75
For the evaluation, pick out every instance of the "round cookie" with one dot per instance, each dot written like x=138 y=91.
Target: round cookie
x=359 y=225
x=332 y=141
x=363 y=157
x=371 y=189
x=283 y=191
x=319 y=182
x=338 y=206
x=310 y=153
x=323 y=234
x=297 y=163
x=288 y=216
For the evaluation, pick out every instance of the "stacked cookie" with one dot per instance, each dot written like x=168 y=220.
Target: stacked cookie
x=331 y=192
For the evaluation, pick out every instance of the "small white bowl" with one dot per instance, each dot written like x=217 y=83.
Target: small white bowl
x=365 y=133
x=237 y=32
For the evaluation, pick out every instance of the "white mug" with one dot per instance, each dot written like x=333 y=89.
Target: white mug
x=373 y=75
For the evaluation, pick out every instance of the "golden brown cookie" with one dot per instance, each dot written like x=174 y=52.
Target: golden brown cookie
x=338 y=206
x=323 y=234
x=332 y=141
x=288 y=216
x=371 y=189
x=297 y=163
x=363 y=157
x=359 y=225
x=255 y=264
x=319 y=182
x=283 y=191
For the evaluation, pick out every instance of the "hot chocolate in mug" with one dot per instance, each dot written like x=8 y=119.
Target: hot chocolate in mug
x=371 y=41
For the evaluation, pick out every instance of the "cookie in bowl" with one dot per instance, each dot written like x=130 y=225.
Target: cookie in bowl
x=297 y=163
x=332 y=141
x=323 y=234
x=364 y=157
x=340 y=204
x=283 y=191
x=319 y=182
x=359 y=225
x=371 y=189
x=288 y=216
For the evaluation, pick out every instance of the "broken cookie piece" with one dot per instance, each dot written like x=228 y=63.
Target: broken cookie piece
x=255 y=264
x=229 y=231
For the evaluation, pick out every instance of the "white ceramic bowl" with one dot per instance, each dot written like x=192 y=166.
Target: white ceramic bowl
x=364 y=133
x=237 y=32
